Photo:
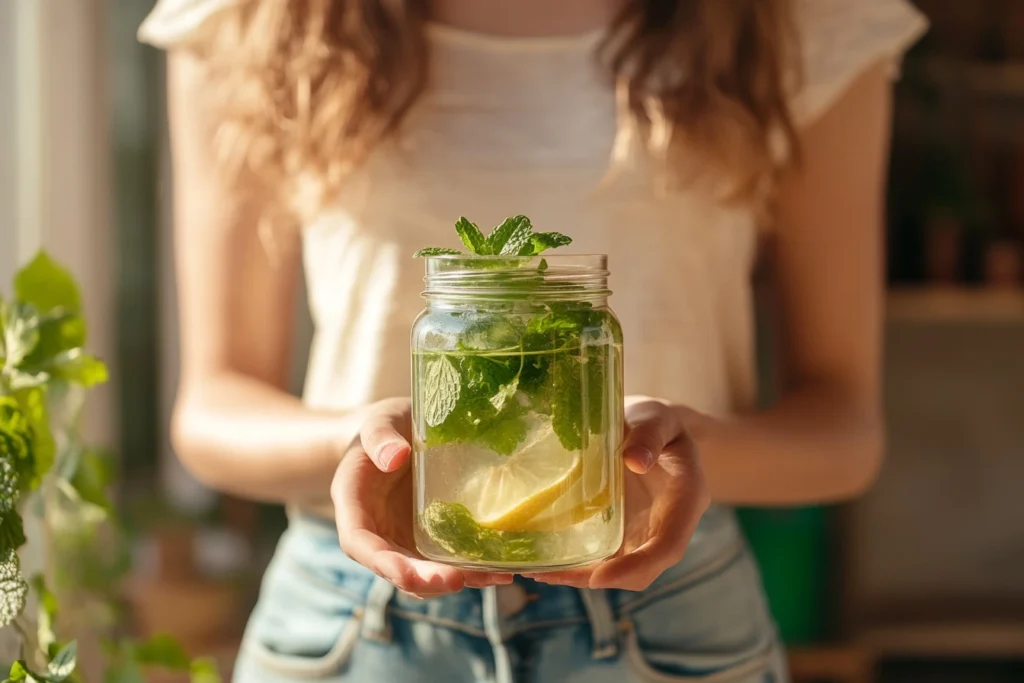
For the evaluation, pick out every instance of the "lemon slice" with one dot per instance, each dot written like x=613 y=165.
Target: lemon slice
x=588 y=496
x=569 y=511
x=507 y=495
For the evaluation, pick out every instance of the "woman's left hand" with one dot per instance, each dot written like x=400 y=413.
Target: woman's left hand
x=665 y=496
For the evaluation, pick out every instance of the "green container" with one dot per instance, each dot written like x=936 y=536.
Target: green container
x=791 y=547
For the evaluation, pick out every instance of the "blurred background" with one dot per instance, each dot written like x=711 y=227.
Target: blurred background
x=923 y=580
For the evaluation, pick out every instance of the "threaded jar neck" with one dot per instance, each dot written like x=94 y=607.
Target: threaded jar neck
x=467 y=279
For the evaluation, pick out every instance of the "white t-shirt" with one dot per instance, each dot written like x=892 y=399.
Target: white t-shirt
x=525 y=126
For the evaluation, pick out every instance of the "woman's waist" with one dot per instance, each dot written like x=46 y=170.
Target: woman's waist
x=309 y=549
x=717 y=533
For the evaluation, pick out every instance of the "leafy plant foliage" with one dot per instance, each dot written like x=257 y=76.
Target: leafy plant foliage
x=44 y=372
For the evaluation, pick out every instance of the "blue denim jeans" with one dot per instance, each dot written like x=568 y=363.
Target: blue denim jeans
x=323 y=617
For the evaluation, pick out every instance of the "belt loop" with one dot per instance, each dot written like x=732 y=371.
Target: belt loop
x=376 y=625
x=604 y=631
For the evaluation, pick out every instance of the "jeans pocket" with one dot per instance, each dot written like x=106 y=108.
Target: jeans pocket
x=301 y=628
x=711 y=626
x=755 y=666
x=305 y=665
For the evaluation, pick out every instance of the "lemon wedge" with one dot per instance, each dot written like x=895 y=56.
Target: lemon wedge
x=569 y=511
x=588 y=496
x=507 y=495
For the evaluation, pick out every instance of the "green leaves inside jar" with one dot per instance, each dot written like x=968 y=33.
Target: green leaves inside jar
x=482 y=393
x=507 y=366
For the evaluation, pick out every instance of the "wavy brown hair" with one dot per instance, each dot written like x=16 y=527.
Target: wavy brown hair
x=304 y=90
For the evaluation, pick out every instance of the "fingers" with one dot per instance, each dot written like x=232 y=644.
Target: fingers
x=577 y=578
x=382 y=440
x=360 y=539
x=674 y=517
x=411 y=574
x=652 y=426
x=472 y=580
x=485 y=579
x=357 y=534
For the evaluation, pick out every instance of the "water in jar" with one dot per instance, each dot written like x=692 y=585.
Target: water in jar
x=517 y=431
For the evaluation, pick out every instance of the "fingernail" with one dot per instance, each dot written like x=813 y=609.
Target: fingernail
x=642 y=456
x=387 y=453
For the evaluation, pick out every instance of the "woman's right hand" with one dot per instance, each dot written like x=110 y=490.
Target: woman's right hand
x=373 y=505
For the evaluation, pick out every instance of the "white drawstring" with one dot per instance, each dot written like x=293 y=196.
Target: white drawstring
x=492 y=627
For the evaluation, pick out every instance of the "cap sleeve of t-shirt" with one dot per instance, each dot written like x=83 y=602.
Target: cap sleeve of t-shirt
x=175 y=23
x=843 y=38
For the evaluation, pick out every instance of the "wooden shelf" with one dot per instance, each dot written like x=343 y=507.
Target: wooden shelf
x=1001 y=80
x=999 y=639
x=945 y=99
x=843 y=663
x=955 y=305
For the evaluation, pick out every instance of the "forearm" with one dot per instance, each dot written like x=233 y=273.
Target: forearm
x=245 y=437
x=811 y=447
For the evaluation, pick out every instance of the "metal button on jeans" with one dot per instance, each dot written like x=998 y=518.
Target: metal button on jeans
x=511 y=599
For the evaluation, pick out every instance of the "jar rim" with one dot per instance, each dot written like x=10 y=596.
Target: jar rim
x=537 y=277
x=558 y=258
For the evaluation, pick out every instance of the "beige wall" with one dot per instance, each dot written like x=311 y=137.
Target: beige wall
x=54 y=174
x=8 y=209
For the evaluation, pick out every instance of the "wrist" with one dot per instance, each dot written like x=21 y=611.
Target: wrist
x=350 y=423
x=698 y=426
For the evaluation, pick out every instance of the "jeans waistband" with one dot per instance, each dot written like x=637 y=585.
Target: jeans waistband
x=500 y=613
x=311 y=544
x=717 y=532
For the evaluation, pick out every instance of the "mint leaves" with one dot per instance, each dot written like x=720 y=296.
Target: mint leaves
x=485 y=411
x=42 y=357
x=437 y=251
x=442 y=389
x=58 y=670
x=471 y=236
x=453 y=528
x=517 y=356
x=41 y=338
x=509 y=237
x=514 y=237
x=42 y=331
x=560 y=368
x=509 y=366
x=552 y=372
x=46 y=286
x=551 y=361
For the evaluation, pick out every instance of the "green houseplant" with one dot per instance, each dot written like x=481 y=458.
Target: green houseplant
x=49 y=476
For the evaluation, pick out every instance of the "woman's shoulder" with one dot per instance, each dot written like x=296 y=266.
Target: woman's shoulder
x=840 y=39
x=175 y=23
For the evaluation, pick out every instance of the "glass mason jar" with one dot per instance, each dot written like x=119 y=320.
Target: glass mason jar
x=517 y=413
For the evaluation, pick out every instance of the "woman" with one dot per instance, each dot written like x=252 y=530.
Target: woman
x=666 y=133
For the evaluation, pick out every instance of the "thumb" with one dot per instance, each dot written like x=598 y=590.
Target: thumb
x=385 y=445
x=651 y=427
